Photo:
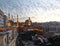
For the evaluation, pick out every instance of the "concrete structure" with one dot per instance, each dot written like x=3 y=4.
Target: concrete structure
x=3 y=39
x=1 y=19
x=12 y=37
x=5 y=21
x=8 y=37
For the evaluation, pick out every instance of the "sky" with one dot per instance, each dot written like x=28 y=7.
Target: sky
x=37 y=10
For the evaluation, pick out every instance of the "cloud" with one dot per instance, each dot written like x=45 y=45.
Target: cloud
x=43 y=9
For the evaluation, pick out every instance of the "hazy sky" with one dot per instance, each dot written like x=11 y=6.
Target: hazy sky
x=38 y=10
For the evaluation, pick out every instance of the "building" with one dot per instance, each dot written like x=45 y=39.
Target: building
x=11 y=22
x=8 y=32
x=5 y=21
x=1 y=18
x=28 y=22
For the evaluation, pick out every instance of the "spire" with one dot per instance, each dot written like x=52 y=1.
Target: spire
x=29 y=18
x=9 y=16
x=9 y=24
x=17 y=20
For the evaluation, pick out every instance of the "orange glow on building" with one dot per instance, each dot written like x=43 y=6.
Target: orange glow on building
x=38 y=28
x=7 y=28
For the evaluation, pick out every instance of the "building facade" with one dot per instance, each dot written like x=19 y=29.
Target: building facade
x=3 y=19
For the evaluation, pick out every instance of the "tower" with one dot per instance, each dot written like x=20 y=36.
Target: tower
x=29 y=21
x=12 y=18
x=17 y=21
x=9 y=16
x=9 y=23
x=29 y=18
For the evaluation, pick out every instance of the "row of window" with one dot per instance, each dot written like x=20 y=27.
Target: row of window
x=1 y=16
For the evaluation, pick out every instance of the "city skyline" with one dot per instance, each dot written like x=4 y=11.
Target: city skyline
x=38 y=10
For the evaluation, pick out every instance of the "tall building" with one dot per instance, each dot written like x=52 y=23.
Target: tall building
x=9 y=20
x=1 y=18
x=5 y=21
